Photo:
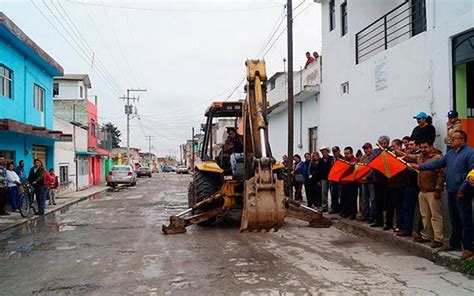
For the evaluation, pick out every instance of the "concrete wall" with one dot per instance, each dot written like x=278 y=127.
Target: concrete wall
x=71 y=110
x=418 y=74
x=306 y=116
x=65 y=156
x=70 y=90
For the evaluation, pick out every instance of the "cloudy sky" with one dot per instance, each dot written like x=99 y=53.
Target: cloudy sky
x=185 y=53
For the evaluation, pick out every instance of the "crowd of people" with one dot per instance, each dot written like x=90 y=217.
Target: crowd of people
x=12 y=180
x=390 y=203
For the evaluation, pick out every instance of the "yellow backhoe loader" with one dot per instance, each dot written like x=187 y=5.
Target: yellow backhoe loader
x=243 y=175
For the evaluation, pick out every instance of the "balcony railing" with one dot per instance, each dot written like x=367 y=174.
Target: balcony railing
x=401 y=23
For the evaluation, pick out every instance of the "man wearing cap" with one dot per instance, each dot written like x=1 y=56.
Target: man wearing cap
x=368 y=193
x=459 y=161
x=453 y=124
x=324 y=166
x=425 y=130
x=233 y=143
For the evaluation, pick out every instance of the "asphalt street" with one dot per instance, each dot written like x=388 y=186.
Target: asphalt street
x=112 y=244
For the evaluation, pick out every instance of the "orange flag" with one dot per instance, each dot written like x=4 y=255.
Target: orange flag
x=387 y=163
x=356 y=173
x=338 y=169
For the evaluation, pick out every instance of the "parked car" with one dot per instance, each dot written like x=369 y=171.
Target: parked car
x=182 y=169
x=168 y=169
x=144 y=171
x=121 y=174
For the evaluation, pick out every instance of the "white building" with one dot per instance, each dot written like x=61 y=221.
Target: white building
x=306 y=84
x=73 y=173
x=385 y=61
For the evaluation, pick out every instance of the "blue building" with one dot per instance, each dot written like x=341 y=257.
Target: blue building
x=26 y=98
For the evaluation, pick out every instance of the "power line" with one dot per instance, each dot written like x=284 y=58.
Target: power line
x=68 y=42
x=284 y=29
x=117 y=40
x=148 y=9
x=82 y=42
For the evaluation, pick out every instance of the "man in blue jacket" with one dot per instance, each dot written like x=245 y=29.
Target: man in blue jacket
x=458 y=162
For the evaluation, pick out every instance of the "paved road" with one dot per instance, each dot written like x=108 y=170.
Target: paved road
x=113 y=245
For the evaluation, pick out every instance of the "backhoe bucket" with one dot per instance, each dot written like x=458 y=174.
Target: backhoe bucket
x=263 y=206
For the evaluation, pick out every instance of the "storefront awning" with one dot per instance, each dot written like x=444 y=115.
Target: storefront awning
x=85 y=153
x=27 y=129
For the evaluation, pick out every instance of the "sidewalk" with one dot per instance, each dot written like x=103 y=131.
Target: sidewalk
x=64 y=200
x=448 y=259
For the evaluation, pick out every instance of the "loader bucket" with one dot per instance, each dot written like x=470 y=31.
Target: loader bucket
x=263 y=206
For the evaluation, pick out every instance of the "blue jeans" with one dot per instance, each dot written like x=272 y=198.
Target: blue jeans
x=40 y=193
x=336 y=191
x=460 y=214
x=368 y=201
x=14 y=197
x=409 y=204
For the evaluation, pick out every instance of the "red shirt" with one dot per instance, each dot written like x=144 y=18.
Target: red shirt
x=309 y=61
x=352 y=160
x=53 y=181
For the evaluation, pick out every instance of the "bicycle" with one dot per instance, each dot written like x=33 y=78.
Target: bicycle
x=27 y=200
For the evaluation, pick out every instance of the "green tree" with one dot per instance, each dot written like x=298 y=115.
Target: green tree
x=115 y=133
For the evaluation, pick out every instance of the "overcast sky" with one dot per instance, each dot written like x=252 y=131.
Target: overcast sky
x=186 y=53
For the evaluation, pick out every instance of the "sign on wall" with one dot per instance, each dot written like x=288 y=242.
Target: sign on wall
x=381 y=73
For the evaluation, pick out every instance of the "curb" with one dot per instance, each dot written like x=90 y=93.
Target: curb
x=445 y=259
x=48 y=213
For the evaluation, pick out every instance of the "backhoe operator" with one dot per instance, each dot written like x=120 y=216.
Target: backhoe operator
x=233 y=143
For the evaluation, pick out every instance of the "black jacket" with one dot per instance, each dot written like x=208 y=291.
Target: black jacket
x=422 y=133
x=313 y=171
x=38 y=176
x=324 y=166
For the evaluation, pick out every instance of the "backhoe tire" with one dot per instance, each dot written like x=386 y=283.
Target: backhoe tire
x=204 y=185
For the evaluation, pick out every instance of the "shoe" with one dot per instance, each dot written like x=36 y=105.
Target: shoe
x=325 y=210
x=421 y=240
x=54 y=203
x=370 y=221
x=376 y=225
x=466 y=254
x=402 y=234
x=334 y=212
x=49 y=204
x=448 y=248
x=386 y=228
x=4 y=214
x=40 y=213
x=436 y=244
x=351 y=217
x=397 y=230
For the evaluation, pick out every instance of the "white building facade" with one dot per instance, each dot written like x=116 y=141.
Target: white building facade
x=306 y=84
x=72 y=172
x=385 y=61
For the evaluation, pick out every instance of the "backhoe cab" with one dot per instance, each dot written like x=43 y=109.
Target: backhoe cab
x=242 y=174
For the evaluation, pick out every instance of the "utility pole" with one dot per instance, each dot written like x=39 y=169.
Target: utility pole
x=289 y=19
x=192 y=149
x=128 y=112
x=149 y=139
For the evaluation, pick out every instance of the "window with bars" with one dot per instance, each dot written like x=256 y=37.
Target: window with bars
x=332 y=15
x=6 y=80
x=63 y=173
x=38 y=99
x=344 y=18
